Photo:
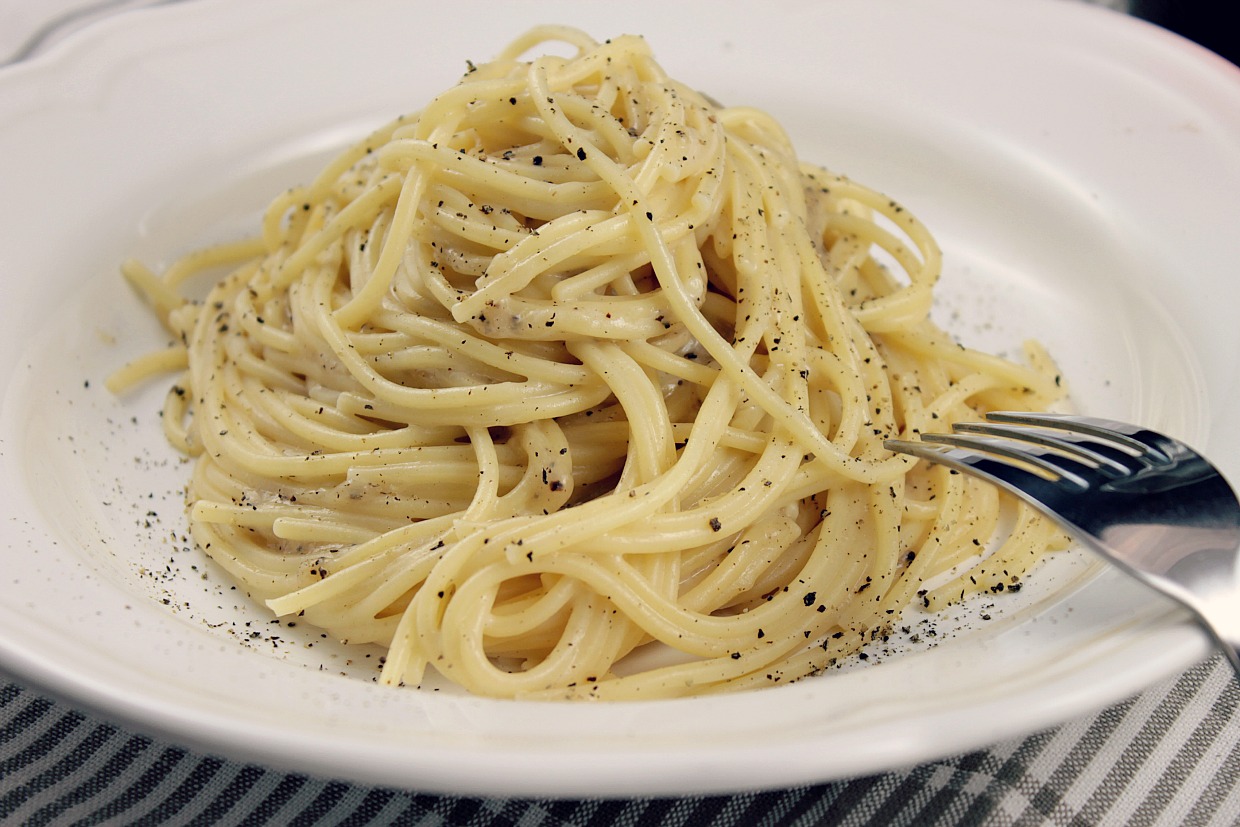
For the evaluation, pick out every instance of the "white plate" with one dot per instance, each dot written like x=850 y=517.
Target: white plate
x=1081 y=170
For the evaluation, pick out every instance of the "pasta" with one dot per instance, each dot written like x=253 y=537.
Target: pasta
x=572 y=362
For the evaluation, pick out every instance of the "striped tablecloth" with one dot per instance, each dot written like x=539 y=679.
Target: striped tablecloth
x=1170 y=756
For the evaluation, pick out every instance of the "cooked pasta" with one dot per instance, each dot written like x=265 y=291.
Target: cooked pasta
x=577 y=361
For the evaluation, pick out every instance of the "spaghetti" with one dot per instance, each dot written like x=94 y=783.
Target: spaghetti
x=573 y=361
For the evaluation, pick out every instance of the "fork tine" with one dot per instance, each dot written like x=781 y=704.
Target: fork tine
x=1039 y=490
x=1029 y=453
x=1050 y=496
x=1106 y=455
x=1133 y=437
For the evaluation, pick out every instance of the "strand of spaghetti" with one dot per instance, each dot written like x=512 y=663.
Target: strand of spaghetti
x=162 y=296
x=650 y=436
x=481 y=349
x=680 y=367
x=174 y=415
x=174 y=357
x=220 y=255
x=358 y=211
x=408 y=543
x=487 y=181
x=364 y=301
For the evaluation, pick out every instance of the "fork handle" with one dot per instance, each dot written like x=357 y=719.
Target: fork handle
x=1220 y=617
x=1230 y=646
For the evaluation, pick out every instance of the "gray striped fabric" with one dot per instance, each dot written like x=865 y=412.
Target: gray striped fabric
x=1170 y=756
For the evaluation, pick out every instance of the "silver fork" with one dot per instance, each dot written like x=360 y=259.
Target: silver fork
x=1146 y=502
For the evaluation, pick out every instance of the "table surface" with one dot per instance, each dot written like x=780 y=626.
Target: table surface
x=1169 y=756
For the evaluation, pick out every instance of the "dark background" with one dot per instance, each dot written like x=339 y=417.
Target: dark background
x=1212 y=23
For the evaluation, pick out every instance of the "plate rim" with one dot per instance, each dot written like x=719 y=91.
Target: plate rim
x=220 y=738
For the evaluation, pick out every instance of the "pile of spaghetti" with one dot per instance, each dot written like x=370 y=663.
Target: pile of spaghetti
x=573 y=362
